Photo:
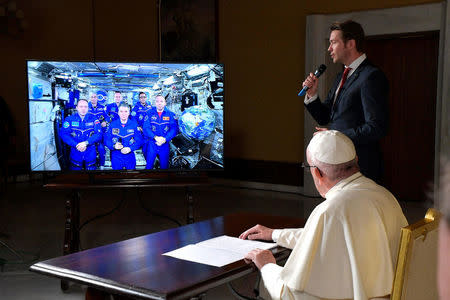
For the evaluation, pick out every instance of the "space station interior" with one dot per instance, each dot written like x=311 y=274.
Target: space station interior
x=193 y=92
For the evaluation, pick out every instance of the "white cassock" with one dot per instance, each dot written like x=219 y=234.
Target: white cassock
x=347 y=249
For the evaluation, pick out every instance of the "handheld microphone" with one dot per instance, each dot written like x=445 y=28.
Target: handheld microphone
x=317 y=73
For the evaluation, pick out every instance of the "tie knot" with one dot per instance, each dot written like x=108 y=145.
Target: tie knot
x=346 y=70
x=344 y=77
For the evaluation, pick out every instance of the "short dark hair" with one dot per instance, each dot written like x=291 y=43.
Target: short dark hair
x=124 y=104
x=117 y=92
x=351 y=30
x=82 y=99
x=140 y=93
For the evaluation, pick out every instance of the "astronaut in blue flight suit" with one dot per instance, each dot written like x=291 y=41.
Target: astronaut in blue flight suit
x=81 y=131
x=139 y=112
x=160 y=127
x=123 y=138
x=98 y=111
x=112 y=109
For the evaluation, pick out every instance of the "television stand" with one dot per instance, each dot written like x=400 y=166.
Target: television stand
x=126 y=179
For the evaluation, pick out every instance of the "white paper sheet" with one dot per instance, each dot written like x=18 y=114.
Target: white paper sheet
x=218 y=251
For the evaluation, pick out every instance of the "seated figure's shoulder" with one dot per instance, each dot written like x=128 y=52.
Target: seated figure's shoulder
x=365 y=197
x=345 y=198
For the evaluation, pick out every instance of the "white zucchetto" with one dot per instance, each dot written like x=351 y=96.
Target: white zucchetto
x=331 y=147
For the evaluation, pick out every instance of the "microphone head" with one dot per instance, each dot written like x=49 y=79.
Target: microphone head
x=320 y=70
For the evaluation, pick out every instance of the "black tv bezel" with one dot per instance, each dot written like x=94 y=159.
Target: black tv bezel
x=135 y=172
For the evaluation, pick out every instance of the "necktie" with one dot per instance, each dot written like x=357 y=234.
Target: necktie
x=344 y=78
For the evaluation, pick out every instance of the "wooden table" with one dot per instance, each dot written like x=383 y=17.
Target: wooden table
x=137 y=268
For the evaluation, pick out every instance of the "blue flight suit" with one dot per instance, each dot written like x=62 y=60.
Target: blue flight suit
x=99 y=113
x=139 y=113
x=76 y=130
x=165 y=126
x=129 y=135
x=112 y=111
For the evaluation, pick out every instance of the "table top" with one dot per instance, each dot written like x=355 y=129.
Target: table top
x=137 y=268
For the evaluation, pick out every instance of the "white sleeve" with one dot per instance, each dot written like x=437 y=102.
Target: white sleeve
x=308 y=100
x=277 y=289
x=276 y=234
x=287 y=237
x=270 y=274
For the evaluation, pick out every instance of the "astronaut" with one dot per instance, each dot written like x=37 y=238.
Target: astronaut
x=139 y=112
x=123 y=138
x=112 y=109
x=160 y=127
x=81 y=131
x=98 y=111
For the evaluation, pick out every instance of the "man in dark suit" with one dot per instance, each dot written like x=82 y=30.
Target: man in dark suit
x=357 y=102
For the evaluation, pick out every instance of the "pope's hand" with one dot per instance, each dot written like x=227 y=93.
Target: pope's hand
x=260 y=257
x=257 y=232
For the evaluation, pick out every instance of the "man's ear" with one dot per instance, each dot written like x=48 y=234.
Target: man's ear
x=317 y=173
x=351 y=44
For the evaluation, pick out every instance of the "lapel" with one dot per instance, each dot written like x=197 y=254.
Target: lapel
x=348 y=83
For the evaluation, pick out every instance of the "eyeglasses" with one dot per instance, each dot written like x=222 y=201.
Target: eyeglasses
x=308 y=167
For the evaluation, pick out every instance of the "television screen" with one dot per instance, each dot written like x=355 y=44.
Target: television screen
x=99 y=116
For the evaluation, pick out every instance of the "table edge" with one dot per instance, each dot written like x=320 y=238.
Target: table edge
x=94 y=281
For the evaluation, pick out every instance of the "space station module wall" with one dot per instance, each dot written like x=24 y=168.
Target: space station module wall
x=43 y=154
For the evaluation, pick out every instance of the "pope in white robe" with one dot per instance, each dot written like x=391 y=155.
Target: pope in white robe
x=348 y=246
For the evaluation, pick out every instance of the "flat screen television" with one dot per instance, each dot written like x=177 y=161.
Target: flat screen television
x=111 y=116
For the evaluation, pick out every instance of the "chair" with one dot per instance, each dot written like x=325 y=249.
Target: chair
x=415 y=275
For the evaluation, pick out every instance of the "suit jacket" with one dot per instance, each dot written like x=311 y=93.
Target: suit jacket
x=360 y=112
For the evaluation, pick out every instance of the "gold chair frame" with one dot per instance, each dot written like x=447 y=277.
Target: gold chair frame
x=408 y=235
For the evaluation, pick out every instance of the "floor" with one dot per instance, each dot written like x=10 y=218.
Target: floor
x=32 y=224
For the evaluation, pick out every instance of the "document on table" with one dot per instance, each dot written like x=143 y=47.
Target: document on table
x=219 y=251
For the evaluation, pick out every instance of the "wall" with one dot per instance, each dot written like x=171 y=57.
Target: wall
x=262 y=46
x=57 y=30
